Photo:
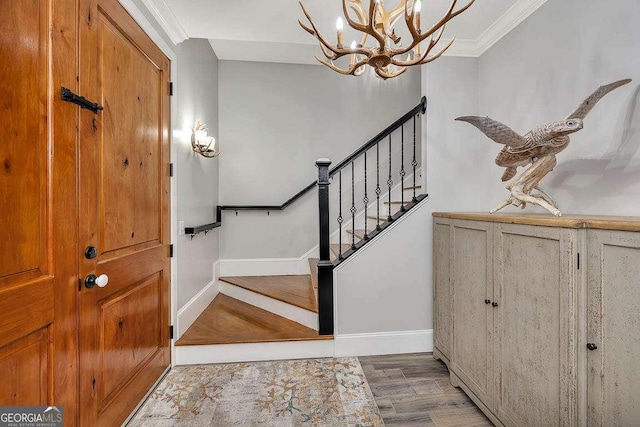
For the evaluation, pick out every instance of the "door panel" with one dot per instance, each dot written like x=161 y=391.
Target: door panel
x=34 y=260
x=124 y=199
x=472 y=258
x=25 y=368
x=614 y=326
x=534 y=330
x=130 y=331
x=131 y=144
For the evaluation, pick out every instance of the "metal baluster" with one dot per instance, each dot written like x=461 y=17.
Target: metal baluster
x=414 y=163
x=402 y=172
x=340 y=219
x=389 y=181
x=378 y=191
x=353 y=209
x=365 y=200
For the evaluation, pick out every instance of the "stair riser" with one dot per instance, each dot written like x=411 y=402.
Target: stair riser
x=288 y=311
x=229 y=353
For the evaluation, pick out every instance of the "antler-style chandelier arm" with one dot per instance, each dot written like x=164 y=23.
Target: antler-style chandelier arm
x=419 y=38
x=361 y=14
x=368 y=27
x=353 y=69
x=424 y=59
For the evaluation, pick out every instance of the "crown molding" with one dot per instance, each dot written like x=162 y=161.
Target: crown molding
x=507 y=22
x=167 y=20
x=492 y=35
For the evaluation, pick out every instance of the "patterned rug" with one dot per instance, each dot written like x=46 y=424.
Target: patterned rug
x=310 y=392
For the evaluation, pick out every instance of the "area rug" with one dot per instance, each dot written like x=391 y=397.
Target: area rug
x=310 y=392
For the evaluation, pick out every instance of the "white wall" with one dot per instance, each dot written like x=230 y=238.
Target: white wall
x=384 y=286
x=196 y=90
x=275 y=121
x=541 y=71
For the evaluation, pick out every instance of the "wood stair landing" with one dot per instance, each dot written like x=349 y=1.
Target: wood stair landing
x=229 y=321
x=295 y=290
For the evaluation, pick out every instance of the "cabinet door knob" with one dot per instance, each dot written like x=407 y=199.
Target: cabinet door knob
x=495 y=304
x=591 y=346
x=487 y=301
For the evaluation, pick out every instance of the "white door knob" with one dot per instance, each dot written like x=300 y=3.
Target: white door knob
x=102 y=280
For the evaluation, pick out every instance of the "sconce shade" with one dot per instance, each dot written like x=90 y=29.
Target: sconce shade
x=202 y=143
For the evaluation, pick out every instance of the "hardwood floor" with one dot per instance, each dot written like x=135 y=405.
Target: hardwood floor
x=294 y=290
x=414 y=390
x=229 y=321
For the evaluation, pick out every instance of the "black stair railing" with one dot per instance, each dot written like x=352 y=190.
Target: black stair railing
x=344 y=169
x=325 y=264
x=420 y=108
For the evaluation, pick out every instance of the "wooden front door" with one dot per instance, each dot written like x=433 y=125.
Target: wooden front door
x=38 y=213
x=124 y=213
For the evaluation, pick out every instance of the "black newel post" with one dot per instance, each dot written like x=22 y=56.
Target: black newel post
x=325 y=266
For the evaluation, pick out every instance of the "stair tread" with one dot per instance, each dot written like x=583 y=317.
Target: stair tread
x=230 y=321
x=359 y=233
x=294 y=290
x=335 y=248
x=397 y=202
x=417 y=187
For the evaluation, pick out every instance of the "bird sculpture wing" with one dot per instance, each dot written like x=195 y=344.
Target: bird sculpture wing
x=500 y=133
x=593 y=99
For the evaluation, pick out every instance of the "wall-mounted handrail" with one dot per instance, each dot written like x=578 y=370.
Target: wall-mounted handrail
x=420 y=108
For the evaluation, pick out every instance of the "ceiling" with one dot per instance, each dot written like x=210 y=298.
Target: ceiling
x=258 y=30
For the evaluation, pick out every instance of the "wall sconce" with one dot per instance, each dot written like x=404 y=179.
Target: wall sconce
x=201 y=143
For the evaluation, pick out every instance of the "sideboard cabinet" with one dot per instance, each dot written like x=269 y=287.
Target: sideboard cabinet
x=538 y=318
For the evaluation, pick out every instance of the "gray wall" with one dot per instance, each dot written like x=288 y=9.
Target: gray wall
x=450 y=151
x=541 y=71
x=275 y=121
x=196 y=89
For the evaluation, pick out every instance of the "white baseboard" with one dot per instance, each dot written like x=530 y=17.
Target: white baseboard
x=384 y=343
x=296 y=314
x=196 y=305
x=226 y=353
x=263 y=266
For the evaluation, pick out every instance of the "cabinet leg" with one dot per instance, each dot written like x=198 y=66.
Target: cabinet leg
x=454 y=380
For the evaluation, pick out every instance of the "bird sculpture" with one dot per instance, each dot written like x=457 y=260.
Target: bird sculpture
x=537 y=148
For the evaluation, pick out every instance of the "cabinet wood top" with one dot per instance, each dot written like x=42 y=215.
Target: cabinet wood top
x=602 y=222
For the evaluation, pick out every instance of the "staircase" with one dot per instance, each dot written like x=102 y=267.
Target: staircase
x=291 y=316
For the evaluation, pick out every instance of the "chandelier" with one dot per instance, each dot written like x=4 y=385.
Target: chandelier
x=387 y=56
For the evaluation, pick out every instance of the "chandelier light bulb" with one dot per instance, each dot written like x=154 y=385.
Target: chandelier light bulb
x=339 y=23
x=417 y=6
x=353 y=45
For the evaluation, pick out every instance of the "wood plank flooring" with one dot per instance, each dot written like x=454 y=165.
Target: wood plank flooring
x=229 y=321
x=414 y=390
x=294 y=290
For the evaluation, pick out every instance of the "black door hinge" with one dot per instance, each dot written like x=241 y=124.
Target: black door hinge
x=170 y=169
x=67 y=95
x=170 y=88
x=578 y=260
x=171 y=251
x=171 y=332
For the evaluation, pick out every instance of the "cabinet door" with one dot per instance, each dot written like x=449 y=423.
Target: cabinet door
x=442 y=294
x=535 y=284
x=471 y=273
x=613 y=321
